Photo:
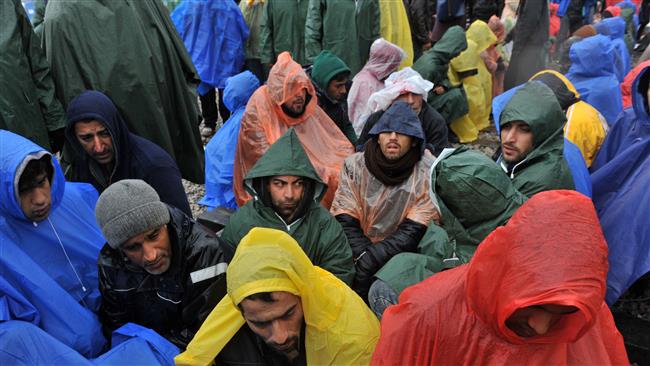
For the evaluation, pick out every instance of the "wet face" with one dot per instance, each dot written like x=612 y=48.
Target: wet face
x=296 y=104
x=394 y=145
x=278 y=322
x=96 y=140
x=337 y=89
x=537 y=320
x=150 y=250
x=516 y=141
x=413 y=100
x=286 y=193
x=36 y=198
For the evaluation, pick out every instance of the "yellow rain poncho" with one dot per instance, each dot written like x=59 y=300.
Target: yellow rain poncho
x=482 y=35
x=585 y=126
x=467 y=62
x=395 y=28
x=340 y=328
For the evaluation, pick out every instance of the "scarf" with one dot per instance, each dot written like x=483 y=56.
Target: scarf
x=390 y=172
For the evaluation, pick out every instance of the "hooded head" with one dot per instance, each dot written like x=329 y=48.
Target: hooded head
x=497 y=27
x=565 y=92
x=592 y=57
x=639 y=92
x=239 y=89
x=384 y=58
x=482 y=35
x=401 y=119
x=326 y=66
x=614 y=27
x=452 y=43
x=552 y=251
x=287 y=81
x=15 y=153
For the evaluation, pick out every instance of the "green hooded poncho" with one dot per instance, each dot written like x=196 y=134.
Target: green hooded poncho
x=474 y=197
x=131 y=51
x=283 y=29
x=433 y=66
x=544 y=168
x=317 y=232
x=28 y=105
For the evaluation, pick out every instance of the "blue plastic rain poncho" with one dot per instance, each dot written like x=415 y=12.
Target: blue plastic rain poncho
x=214 y=33
x=61 y=285
x=593 y=74
x=633 y=125
x=564 y=6
x=220 y=152
x=614 y=29
x=572 y=154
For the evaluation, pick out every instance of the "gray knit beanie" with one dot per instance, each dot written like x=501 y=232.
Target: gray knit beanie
x=128 y=208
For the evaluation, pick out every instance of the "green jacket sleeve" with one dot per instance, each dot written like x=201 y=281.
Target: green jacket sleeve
x=336 y=255
x=314 y=29
x=267 y=55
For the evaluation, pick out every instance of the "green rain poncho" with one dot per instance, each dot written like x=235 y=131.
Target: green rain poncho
x=283 y=29
x=544 y=168
x=28 y=105
x=131 y=51
x=433 y=66
x=317 y=232
x=474 y=197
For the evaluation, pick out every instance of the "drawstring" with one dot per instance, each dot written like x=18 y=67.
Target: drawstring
x=69 y=261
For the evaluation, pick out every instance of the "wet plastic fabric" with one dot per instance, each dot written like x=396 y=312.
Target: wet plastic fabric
x=283 y=29
x=398 y=83
x=614 y=28
x=465 y=127
x=264 y=122
x=626 y=85
x=33 y=262
x=395 y=28
x=384 y=59
x=585 y=127
x=479 y=112
x=593 y=75
x=214 y=33
x=513 y=268
x=146 y=71
x=220 y=151
x=340 y=328
x=492 y=55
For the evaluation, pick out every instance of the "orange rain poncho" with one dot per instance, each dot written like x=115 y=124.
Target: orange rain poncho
x=264 y=122
x=552 y=251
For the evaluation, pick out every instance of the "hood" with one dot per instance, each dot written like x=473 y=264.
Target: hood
x=614 y=10
x=285 y=157
x=626 y=86
x=239 y=89
x=286 y=80
x=401 y=119
x=472 y=190
x=563 y=89
x=552 y=251
x=452 y=43
x=398 y=83
x=536 y=104
x=614 y=27
x=482 y=35
x=15 y=152
x=384 y=58
x=640 y=97
x=94 y=105
x=467 y=60
x=326 y=66
x=592 y=57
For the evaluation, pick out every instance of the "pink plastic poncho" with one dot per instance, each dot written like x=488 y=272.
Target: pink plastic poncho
x=492 y=55
x=264 y=122
x=385 y=57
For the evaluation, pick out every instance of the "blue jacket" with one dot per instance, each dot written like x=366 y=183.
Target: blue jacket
x=593 y=74
x=33 y=261
x=220 y=151
x=214 y=33
x=614 y=28
x=632 y=126
x=135 y=157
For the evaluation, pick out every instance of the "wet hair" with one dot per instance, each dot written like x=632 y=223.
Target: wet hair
x=33 y=170
x=261 y=296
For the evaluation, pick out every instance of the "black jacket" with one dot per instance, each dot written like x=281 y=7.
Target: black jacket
x=433 y=125
x=369 y=257
x=170 y=303
x=338 y=112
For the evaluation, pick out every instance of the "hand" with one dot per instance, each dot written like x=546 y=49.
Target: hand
x=426 y=46
x=439 y=89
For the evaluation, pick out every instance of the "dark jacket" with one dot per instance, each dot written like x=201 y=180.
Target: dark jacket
x=247 y=348
x=172 y=304
x=338 y=112
x=135 y=157
x=420 y=15
x=433 y=125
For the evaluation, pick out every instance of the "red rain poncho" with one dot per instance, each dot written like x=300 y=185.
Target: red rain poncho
x=552 y=251
x=264 y=122
x=626 y=85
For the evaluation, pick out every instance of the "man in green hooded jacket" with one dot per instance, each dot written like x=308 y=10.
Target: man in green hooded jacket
x=532 y=141
x=286 y=194
x=283 y=29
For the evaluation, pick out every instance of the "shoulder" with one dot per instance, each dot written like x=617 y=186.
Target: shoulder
x=149 y=153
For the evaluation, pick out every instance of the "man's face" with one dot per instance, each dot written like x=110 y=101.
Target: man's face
x=278 y=323
x=296 y=104
x=36 y=200
x=337 y=89
x=516 y=141
x=394 y=145
x=286 y=193
x=414 y=100
x=150 y=250
x=537 y=320
x=96 y=140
